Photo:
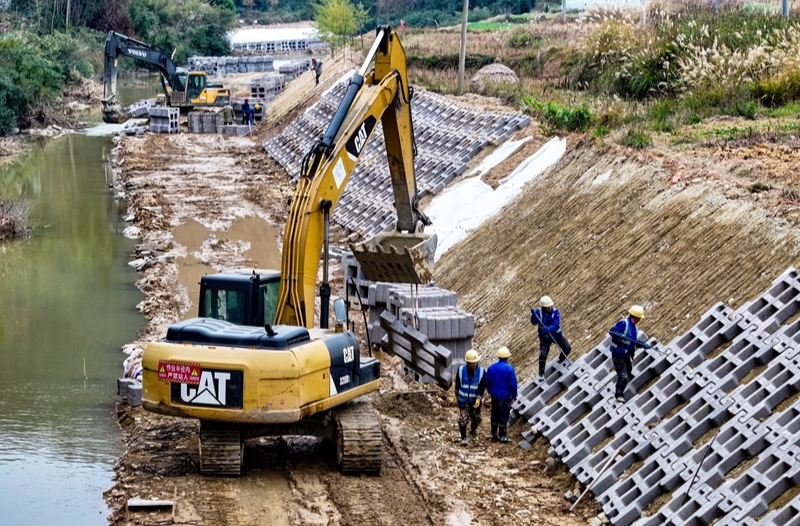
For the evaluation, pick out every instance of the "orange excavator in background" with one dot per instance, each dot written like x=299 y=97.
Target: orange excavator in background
x=252 y=364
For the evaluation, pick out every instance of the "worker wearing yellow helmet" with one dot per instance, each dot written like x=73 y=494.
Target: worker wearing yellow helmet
x=501 y=382
x=624 y=340
x=470 y=385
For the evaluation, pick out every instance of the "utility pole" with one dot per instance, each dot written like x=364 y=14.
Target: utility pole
x=785 y=8
x=462 y=57
x=66 y=19
x=716 y=7
x=564 y=10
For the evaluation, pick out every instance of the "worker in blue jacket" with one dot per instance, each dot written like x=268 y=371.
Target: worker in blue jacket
x=548 y=321
x=470 y=385
x=624 y=340
x=501 y=382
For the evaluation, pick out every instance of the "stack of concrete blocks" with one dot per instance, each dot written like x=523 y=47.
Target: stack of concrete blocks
x=204 y=122
x=447 y=136
x=221 y=66
x=130 y=391
x=709 y=432
x=295 y=68
x=267 y=88
x=164 y=120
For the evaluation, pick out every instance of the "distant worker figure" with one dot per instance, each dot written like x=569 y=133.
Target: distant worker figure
x=255 y=111
x=501 y=382
x=470 y=385
x=227 y=115
x=624 y=340
x=316 y=65
x=548 y=320
x=402 y=25
x=246 y=111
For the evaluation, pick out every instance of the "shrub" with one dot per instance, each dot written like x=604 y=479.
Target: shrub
x=556 y=117
x=519 y=39
x=758 y=187
x=13 y=219
x=636 y=138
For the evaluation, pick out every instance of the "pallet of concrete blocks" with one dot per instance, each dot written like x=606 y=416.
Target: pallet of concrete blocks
x=164 y=120
x=416 y=351
x=293 y=69
x=203 y=122
x=449 y=327
x=396 y=296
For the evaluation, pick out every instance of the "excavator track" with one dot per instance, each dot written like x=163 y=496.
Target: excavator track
x=359 y=440
x=221 y=449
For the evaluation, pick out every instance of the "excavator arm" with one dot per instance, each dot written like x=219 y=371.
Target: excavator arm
x=404 y=255
x=121 y=45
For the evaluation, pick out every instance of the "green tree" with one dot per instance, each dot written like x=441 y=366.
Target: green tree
x=338 y=20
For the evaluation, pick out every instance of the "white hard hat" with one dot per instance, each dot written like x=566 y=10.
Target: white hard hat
x=546 y=301
x=637 y=311
x=503 y=352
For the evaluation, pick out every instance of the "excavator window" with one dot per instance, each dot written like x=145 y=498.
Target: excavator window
x=227 y=305
x=197 y=84
x=179 y=82
x=269 y=291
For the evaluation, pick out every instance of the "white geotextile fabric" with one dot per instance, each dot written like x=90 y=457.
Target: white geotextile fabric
x=466 y=205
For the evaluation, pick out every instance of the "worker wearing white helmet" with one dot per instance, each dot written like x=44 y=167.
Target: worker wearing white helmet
x=548 y=322
x=470 y=385
x=501 y=382
x=624 y=340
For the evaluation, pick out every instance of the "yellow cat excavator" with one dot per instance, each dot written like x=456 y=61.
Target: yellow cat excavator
x=251 y=364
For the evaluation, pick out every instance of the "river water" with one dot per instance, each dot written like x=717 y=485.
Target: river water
x=67 y=305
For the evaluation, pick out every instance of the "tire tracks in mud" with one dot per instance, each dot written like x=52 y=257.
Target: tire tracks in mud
x=384 y=500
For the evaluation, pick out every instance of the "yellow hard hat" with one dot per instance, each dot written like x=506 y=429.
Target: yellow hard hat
x=472 y=357
x=546 y=301
x=503 y=352
x=637 y=311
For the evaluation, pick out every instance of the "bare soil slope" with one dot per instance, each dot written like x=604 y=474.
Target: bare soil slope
x=598 y=247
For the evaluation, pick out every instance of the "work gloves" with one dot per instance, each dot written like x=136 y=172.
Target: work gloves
x=477 y=403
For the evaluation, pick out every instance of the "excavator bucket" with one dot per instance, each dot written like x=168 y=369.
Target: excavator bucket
x=397 y=258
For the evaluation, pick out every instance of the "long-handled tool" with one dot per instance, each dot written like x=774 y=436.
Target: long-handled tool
x=605 y=467
x=550 y=334
x=643 y=345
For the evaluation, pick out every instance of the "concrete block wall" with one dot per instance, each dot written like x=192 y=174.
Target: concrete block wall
x=221 y=66
x=710 y=430
x=278 y=46
x=447 y=135
x=204 y=122
x=164 y=120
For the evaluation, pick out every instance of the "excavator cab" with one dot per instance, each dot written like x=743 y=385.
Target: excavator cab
x=243 y=297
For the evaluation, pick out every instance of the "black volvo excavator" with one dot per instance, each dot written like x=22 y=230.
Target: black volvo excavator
x=183 y=89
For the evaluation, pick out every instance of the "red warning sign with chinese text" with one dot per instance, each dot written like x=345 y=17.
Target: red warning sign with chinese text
x=183 y=373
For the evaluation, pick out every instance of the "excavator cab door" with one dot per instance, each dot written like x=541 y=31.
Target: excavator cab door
x=195 y=86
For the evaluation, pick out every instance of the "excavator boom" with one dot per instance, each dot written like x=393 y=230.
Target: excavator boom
x=404 y=255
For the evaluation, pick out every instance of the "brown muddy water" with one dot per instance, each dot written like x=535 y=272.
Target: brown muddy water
x=67 y=305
